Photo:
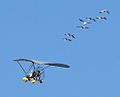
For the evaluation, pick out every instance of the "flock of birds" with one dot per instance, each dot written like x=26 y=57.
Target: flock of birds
x=84 y=23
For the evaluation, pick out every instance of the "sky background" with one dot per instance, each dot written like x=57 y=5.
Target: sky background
x=35 y=28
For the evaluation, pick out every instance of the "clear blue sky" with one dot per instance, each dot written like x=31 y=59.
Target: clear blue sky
x=34 y=28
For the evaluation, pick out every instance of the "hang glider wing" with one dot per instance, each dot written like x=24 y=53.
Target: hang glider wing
x=44 y=63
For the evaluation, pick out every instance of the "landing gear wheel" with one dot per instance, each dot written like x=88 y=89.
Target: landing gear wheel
x=41 y=81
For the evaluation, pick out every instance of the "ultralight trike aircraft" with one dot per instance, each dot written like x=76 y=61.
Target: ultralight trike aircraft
x=35 y=71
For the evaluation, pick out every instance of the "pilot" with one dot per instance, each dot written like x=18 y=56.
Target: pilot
x=34 y=76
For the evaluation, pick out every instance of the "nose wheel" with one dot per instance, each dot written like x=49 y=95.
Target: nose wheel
x=41 y=81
